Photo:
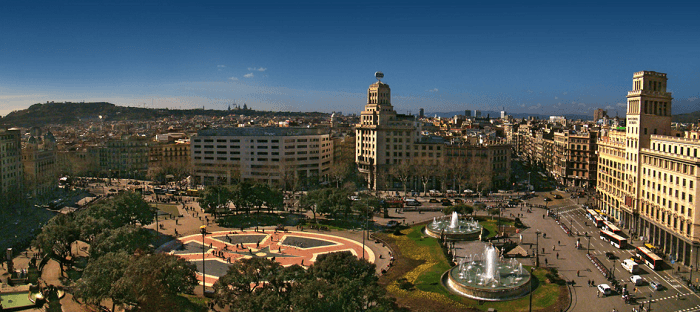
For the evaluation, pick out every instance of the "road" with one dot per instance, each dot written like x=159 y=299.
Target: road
x=675 y=297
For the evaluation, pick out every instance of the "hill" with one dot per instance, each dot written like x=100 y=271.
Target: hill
x=687 y=118
x=69 y=112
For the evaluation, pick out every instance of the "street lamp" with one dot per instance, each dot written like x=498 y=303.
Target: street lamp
x=203 y=230
x=588 y=249
x=537 y=248
x=532 y=270
x=650 y=300
x=690 y=280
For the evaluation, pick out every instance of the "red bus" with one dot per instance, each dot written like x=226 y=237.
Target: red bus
x=614 y=239
x=609 y=226
x=650 y=258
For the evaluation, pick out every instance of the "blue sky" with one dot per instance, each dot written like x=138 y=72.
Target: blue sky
x=529 y=57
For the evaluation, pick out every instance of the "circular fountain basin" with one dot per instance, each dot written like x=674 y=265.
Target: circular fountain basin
x=453 y=228
x=513 y=283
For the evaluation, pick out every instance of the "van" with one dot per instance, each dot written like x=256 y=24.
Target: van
x=630 y=266
x=637 y=280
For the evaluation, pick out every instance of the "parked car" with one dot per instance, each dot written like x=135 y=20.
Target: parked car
x=656 y=286
x=610 y=255
x=557 y=196
x=458 y=201
x=392 y=224
x=605 y=289
x=433 y=200
x=547 y=199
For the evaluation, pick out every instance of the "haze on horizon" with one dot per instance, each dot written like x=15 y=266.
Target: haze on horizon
x=541 y=58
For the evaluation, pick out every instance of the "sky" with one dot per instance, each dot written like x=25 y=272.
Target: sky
x=551 y=57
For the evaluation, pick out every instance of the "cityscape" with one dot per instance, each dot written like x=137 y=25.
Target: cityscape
x=294 y=157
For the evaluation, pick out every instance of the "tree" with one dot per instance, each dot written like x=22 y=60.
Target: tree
x=336 y=282
x=402 y=172
x=99 y=277
x=327 y=200
x=152 y=280
x=129 y=239
x=256 y=284
x=341 y=282
x=425 y=173
x=215 y=197
x=57 y=236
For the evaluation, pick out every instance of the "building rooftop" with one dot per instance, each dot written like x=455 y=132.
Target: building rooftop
x=262 y=131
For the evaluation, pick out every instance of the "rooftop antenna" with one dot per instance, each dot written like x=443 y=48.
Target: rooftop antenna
x=379 y=75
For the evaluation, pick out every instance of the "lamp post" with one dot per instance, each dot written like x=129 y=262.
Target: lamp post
x=588 y=249
x=690 y=280
x=203 y=230
x=650 y=300
x=532 y=270
x=537 y=248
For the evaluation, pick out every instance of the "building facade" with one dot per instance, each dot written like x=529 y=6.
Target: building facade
x=11 y=172
x=40 y=164
x=126 y=157
x=650 y=175
x=278 y=156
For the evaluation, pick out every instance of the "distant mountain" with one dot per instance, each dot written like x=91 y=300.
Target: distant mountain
x=494 y=114
x=688 y=118
x=68 y=112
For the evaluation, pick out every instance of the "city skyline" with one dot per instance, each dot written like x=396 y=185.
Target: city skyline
x=314 y=56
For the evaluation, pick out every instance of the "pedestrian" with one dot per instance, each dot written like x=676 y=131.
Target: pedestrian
x=545 y=262
x=578 y=273
x=559 y=243
x=553 y=247
x=542 y=249
x=557 y=256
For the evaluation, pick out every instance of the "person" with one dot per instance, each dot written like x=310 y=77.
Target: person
x=557 y=255
x=553 y=247
x=558 y=242
x=578 y=273
x=545 y=261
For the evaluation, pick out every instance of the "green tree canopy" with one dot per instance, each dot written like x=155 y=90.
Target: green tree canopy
x=57 y=236
x=336 y=282
x=99 y=277
x=128 y=238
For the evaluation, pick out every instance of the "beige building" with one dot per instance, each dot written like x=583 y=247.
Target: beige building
x=384 y=137
x=278 y=156
x=389 y=148
x=126 y=157
x=169 y=159
x=40 y=163
x=11 y=173
x=651 y=176
x=575 y=159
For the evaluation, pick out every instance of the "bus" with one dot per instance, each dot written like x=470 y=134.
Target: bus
x=159 y=191
x=650 y=258
x=610 y=227
x=193 y=192
x=614 y=239
x=598 y=221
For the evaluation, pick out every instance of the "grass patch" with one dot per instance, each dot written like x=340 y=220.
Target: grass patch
x=170 y=209
x=259 y=219
x=191 y=303
x=428 y=293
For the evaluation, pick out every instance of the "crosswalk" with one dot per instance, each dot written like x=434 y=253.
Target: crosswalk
x=692 y=309
x=676 y=296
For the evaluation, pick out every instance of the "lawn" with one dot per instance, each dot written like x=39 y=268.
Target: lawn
x=429 y=294
x=170 y=209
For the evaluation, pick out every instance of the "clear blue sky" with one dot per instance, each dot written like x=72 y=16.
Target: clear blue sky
x=530 y=57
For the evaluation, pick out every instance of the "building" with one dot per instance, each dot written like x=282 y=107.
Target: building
x=392 y=153
x=169 y=159
x=125 y=158
x=575 y=163
x=11 y=172
x=599 y=114
x=383 y=137
x=421 y=113
x=477 y=113
x=278 y=156
x=648 y=177
x=40 y=163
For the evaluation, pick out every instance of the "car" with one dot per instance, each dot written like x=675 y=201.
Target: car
x=458 y=201
x=147 y=193
x=637 y=280
x=610 y=255
x=605 y=289
x=112 y=190
x=392 y=224
x=656 y=286
x=547 y=199
x=433 y=200
x=446 y=203
x=557 y=196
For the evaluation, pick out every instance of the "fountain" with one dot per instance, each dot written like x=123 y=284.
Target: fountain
x=453 y=228
x=488 y=277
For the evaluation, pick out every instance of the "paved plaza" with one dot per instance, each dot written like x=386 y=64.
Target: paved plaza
x=222 y=248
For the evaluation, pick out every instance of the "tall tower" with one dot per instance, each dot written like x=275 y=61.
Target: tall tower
x=648 y=113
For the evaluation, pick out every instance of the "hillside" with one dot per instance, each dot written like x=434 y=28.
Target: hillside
x=688 y=118
x=68 y=112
